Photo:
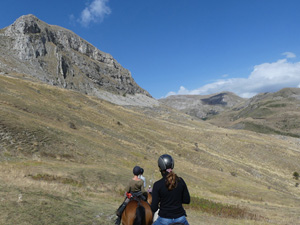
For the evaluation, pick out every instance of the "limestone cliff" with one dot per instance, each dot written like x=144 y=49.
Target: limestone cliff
x=59 y=57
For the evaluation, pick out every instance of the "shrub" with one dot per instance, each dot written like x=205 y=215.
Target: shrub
x=72 y=125
x=296 y=175
x=219 y=209
x=233 y=174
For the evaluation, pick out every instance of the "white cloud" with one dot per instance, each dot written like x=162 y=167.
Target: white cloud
x=266 y=77
x=289 y=54
x=94 y=12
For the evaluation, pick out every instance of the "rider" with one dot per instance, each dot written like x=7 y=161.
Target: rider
x=135 y=187
x=142 y=177
x=171 y=192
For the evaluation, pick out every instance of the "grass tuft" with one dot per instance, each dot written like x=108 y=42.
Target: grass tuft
x=54 y=178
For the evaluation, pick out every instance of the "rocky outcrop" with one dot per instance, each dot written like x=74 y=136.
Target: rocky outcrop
x=59 y=57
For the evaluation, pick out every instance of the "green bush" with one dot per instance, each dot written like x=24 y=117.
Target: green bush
x=296 y=175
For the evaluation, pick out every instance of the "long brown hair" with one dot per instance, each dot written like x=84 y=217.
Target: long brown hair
x=171 y=180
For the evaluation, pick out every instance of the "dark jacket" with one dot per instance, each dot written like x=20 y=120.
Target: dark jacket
x=170 y=201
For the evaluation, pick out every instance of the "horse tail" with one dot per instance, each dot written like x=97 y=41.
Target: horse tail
x=140 y=215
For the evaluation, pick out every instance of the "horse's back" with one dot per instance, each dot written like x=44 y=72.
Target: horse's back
x=148 y=211
x=130 y=212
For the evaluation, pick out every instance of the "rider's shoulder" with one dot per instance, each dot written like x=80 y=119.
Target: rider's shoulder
x=162 y=180
x=136 y=181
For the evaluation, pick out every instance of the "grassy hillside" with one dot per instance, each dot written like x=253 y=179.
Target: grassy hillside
x=65 y=158
x=270 y=113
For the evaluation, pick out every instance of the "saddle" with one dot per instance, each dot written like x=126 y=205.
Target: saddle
x=136 y=196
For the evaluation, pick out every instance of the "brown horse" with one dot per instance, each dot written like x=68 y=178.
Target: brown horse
x=138 y=212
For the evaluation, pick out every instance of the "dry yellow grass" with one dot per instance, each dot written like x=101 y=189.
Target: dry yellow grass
x=87 y=148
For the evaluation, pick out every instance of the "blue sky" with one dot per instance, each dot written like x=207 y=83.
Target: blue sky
x=185 y=46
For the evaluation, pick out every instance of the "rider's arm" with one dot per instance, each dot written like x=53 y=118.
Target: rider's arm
x=186 y=195
x=128 y=188
x=155 y=198
x=144 y=179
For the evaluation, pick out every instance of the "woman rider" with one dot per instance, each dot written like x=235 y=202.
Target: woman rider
x=171 y=192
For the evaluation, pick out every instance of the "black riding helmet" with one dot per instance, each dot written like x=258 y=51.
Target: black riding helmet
x=165 y=162
x=136 y=170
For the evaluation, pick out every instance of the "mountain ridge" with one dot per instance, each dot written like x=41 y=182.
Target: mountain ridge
x=59 y=57
x=272 y=113
x=203 y=106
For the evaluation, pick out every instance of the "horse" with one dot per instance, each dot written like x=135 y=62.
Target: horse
x=138 y=212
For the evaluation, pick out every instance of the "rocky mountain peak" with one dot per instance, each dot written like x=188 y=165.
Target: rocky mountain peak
x=25 y=25
x=59 y=57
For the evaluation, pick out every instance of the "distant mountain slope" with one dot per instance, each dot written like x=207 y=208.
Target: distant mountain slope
x=275 y=113
x=203 y=106
x=59 y=57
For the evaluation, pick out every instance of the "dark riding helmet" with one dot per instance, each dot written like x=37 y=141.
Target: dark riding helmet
x=142 y=170
x=165 y=162
x=136 y=170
